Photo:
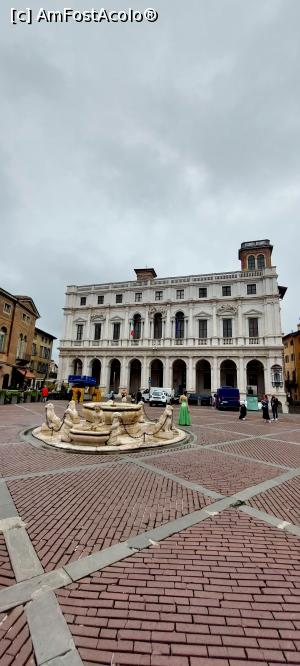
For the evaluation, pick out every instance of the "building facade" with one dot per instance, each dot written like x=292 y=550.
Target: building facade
x=194 y=332
x=18 y=315
x=41 y=355
x=291 y=351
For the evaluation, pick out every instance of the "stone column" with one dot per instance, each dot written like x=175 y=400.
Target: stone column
x=105 y=373
x=124 y=373
x=215 y=379
x=144 y=373
x=85 y=365
x=168 y=378
x=190 y=380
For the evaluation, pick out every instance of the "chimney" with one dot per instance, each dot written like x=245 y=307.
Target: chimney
x=145 y=273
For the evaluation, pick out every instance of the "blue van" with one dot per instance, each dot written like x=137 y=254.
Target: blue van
x=227 y=398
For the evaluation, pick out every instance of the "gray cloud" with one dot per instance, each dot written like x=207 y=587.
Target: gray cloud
x=166 y=144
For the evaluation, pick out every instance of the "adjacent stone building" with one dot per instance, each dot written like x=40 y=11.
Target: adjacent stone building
x=41 y=355
x=18 y=315
x=291 y=343
x=193 y=332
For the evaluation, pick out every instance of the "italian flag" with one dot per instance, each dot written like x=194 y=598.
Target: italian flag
x=131 y=329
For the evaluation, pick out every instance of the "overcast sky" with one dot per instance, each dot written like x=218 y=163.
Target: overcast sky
x=164 y=144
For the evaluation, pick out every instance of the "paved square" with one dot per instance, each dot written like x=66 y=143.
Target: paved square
x=171 y=570
x=218 y=474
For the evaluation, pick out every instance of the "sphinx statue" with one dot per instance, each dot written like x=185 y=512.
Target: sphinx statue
x=163 y=428
x=116 y=429
x=73 y=412
x=98 y=418
x=53 y=422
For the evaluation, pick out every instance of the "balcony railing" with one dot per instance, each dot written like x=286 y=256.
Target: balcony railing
x=191 y=341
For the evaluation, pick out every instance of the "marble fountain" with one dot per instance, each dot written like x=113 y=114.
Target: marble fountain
x=107 y=427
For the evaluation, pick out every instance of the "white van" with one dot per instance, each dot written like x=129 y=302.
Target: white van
x=161 y=396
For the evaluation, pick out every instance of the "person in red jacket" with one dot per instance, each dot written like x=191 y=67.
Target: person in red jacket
x=44 y=394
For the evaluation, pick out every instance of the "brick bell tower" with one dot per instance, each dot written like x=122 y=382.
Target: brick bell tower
x=256 y=255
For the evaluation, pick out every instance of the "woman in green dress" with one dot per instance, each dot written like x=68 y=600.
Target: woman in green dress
x=184 y=412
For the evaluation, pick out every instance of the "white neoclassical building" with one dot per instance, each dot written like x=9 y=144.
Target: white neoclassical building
x=193 y=332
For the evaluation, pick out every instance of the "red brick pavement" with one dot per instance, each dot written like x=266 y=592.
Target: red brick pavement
x=206 y=436
x=254 y=426
x=6 y=573
x=23 y=458
x=289 y=436
x=216 y=471
x=264 y=449
x=15 y=642
x=72 y=515
x=282 y=501
x=225 y=592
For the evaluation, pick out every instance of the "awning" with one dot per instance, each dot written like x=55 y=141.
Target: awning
x=26 y=373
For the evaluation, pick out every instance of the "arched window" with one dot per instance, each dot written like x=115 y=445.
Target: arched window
x=3 y=334
x=251 y=263
x=157 y=326
x=261 y=262
x=137 y=326
x=276 y=375
x=179 y=325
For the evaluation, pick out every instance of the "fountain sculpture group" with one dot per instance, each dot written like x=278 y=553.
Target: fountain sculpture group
x=107 y=426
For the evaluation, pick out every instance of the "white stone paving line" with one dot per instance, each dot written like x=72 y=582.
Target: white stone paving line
x=50 y=634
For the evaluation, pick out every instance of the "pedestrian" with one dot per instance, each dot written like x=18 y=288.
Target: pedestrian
x=265 y=409
x=243 y=411
x=274 y=407
x=45 y=393
x=184 y=412
x=78 y=395
x=138 y=396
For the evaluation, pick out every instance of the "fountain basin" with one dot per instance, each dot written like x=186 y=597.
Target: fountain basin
x=89 y=437
x=130 y=413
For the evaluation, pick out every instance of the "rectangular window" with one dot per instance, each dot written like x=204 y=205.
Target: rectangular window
x=292 y=357
x=226 y=291
x=97 y=332
x=158 y=295
x=7 y=308
x=83 y=300
x=227 y=328
x=202 y=328
x=24 y=317
x=287 y=358
x=33 y=353
x=101 y=299
x=180 y=294
x=116 y=331
x=79 y=332
x=119 y=298
x=202 y=292
x=251 y=289
x=253 y=328
x=138 y=296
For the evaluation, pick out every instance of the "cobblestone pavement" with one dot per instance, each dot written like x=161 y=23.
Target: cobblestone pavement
x=185 y=556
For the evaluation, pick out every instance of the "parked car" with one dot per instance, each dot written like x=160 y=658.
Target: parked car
x=159 y=397
x=199 y=399
x=227 y=397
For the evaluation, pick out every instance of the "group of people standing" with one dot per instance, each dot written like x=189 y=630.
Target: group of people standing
x=274 y=408
x=265 y=409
